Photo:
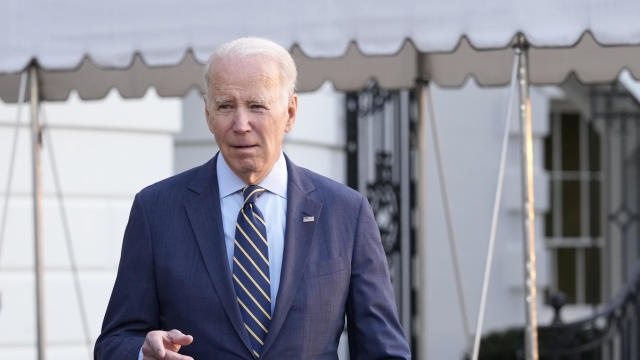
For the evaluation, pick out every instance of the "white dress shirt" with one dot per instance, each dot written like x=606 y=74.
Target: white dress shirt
x=273 y=205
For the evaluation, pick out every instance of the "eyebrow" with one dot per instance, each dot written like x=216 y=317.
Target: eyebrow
x=258 y=101
x=222 y=100
x=225 y=100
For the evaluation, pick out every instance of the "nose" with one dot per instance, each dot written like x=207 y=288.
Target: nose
x=241 y=121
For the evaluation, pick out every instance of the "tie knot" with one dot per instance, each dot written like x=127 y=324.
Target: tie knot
x=251 y=193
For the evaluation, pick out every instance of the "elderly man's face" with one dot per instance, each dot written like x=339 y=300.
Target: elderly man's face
x=248 y=115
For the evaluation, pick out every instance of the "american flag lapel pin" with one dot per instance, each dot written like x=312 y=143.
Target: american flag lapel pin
x=308 y=219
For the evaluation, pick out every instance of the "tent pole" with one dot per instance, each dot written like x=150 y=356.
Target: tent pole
x=496 y=211
x=36 y=147
x=528 y=224
x=421 y=234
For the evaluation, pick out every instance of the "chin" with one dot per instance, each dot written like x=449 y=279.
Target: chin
x=248 y=170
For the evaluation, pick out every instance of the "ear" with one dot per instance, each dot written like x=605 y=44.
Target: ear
x=207 y=115
x=292 y=110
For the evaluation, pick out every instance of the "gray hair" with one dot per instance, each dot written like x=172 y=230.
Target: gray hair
x=249 y=46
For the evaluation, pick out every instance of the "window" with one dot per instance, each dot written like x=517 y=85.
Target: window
x=572 y=224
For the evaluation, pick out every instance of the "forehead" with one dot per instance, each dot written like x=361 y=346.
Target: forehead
x=249 y=74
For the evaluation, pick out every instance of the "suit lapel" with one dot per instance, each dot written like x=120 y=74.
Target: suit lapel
x=206 y=220
x=297 y=243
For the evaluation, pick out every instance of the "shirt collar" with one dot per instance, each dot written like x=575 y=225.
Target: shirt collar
x=275 y=181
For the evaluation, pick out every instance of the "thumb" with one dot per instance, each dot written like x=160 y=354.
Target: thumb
x=178 y=338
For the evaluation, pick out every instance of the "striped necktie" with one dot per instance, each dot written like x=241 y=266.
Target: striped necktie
x=251 y=269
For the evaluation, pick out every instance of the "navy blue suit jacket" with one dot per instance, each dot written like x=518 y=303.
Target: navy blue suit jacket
x=174 y=273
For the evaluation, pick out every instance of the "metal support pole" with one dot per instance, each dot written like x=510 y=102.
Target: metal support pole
x=528 y=224
x=405 y=221
x=421 y=192
x=496 y=211
x=36 y=147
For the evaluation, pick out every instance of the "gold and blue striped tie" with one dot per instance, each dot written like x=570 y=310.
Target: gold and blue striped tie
x=251 y=269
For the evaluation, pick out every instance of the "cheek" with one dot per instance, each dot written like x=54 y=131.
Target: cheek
x=275 y=136
x=210 y=126
x=219 y=125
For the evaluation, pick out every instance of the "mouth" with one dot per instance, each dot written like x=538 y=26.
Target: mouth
x=243 y=147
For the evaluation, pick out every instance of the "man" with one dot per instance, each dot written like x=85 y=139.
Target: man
x=250 y=255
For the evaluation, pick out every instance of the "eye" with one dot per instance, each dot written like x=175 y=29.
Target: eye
x=224 y=107
x=257 y=107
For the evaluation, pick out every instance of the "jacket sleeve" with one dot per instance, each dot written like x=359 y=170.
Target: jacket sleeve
x=133 y=307
x=372 y=321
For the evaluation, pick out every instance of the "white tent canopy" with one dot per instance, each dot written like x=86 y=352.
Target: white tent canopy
x=92 y=46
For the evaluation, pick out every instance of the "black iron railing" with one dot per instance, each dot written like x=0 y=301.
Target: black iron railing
x=613 y=333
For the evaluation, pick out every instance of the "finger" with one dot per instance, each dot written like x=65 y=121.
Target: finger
x=169 y=345
x=175 y=356
x=154 y=344
x=150 y=356
x=178 y=338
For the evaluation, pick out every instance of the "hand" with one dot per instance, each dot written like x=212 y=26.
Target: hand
x=164 y=345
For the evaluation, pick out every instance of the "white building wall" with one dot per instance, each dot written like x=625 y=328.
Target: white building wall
x=470 y=124
x=105 y=152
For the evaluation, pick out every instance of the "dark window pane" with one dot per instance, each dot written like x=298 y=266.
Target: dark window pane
x=548 y=153
x=548 y=224
x=566 y=265
x=594 y=209
x=571 y=208
x=570 y=142
x=594 y=149
x=548 y=216
x=592 y=276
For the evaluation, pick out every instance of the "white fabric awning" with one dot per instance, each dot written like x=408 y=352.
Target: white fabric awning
x=92 y=46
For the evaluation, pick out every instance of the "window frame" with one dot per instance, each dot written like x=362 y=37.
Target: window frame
x=585 y=176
